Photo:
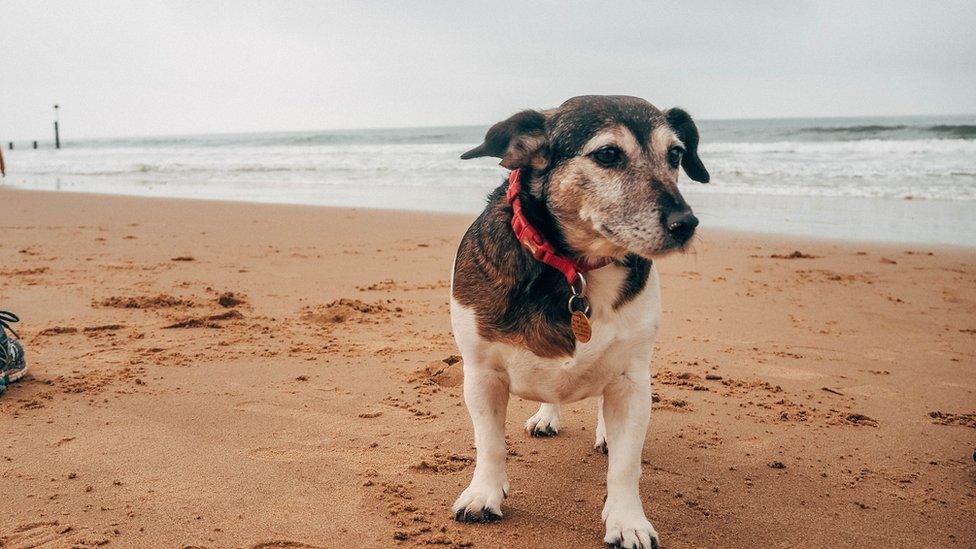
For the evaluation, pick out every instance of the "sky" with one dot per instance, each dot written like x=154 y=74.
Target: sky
x=122 y=68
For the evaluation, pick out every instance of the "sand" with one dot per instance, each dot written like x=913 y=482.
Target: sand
x=212 y=374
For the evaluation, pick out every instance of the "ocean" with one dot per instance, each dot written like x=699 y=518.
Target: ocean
x=893 y=179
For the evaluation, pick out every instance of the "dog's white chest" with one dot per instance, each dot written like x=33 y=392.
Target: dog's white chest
x=620 y=337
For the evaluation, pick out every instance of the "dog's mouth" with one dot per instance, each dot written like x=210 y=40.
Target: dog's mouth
x=661 y=243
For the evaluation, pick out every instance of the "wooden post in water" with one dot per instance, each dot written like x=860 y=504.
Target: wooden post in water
x=35 y=144
x=10 y=145
x=57 y=135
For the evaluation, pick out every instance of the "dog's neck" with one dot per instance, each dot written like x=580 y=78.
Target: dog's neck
x=537 y=212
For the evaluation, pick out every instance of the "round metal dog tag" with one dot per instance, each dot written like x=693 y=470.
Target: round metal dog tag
x=580 y=325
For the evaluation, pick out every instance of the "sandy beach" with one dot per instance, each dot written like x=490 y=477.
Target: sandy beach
x=218 y=374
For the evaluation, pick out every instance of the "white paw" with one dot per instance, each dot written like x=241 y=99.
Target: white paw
x=601 y=438
x=545 y=422
x=627 y=527
x=480 y=502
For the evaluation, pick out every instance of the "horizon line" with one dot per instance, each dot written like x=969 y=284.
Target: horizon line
x=5 y=141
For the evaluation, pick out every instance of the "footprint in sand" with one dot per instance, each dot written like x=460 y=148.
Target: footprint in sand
x=881 y=354
x=785 y=372
x=284 y=544
x=37 y=534
x=301 y=451
x=302 y=414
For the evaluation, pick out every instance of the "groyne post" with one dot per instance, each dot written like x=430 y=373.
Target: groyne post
x=57 y=135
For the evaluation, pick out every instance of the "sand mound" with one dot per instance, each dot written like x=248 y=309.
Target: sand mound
x=211 y=321
x=161 y=301
x=442 y=463
x=342 y=310
x=58 y=330
x=861 y=419
x=104 y=328
x=383 y=285
x=448 y=372
x=949 y=418
x=23 y=272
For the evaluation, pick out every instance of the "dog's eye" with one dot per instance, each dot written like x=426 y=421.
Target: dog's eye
x=674 y=156
x=608 y=156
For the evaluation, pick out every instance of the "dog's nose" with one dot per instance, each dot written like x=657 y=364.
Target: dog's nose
x=681 y=225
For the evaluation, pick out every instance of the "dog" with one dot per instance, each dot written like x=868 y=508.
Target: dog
x=554 y=294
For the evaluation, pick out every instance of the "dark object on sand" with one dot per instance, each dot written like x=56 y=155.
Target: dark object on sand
x=229 y=299
x=13 y=366
x=797 y=254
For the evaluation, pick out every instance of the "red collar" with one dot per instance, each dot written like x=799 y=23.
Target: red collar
x=533 y=241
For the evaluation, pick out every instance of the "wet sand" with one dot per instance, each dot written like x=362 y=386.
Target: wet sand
x=216 y=374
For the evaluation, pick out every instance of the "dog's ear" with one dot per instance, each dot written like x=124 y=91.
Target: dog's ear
x=682 y=124
x=520 y=141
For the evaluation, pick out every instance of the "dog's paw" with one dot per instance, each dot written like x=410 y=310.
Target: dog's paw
x=601 y=438
x=627 y=527
x=601 y=446
x=480 y=502
x=545 y=422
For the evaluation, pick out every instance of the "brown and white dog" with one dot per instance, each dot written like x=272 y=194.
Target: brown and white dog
x=597 y=179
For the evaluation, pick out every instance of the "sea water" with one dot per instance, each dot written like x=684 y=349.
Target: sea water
x=909 y=179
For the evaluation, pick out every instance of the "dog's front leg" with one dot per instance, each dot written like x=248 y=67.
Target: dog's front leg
x=626 y=412
x=601 y=428
x=486 y=395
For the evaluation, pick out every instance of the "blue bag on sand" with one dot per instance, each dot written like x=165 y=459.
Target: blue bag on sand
x=13 y=366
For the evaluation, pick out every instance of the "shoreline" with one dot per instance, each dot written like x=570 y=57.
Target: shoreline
x=214 y=373
x=963 y=219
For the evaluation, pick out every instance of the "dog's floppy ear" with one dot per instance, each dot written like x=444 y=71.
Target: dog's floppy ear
x=682 y=124
x=520 y=141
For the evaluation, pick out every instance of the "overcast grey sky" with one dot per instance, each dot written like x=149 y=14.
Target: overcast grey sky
x=144 y=68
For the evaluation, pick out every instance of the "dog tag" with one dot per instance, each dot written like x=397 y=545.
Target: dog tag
x=580 y=325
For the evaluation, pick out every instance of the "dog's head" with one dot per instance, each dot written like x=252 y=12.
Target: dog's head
x=607 y=169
